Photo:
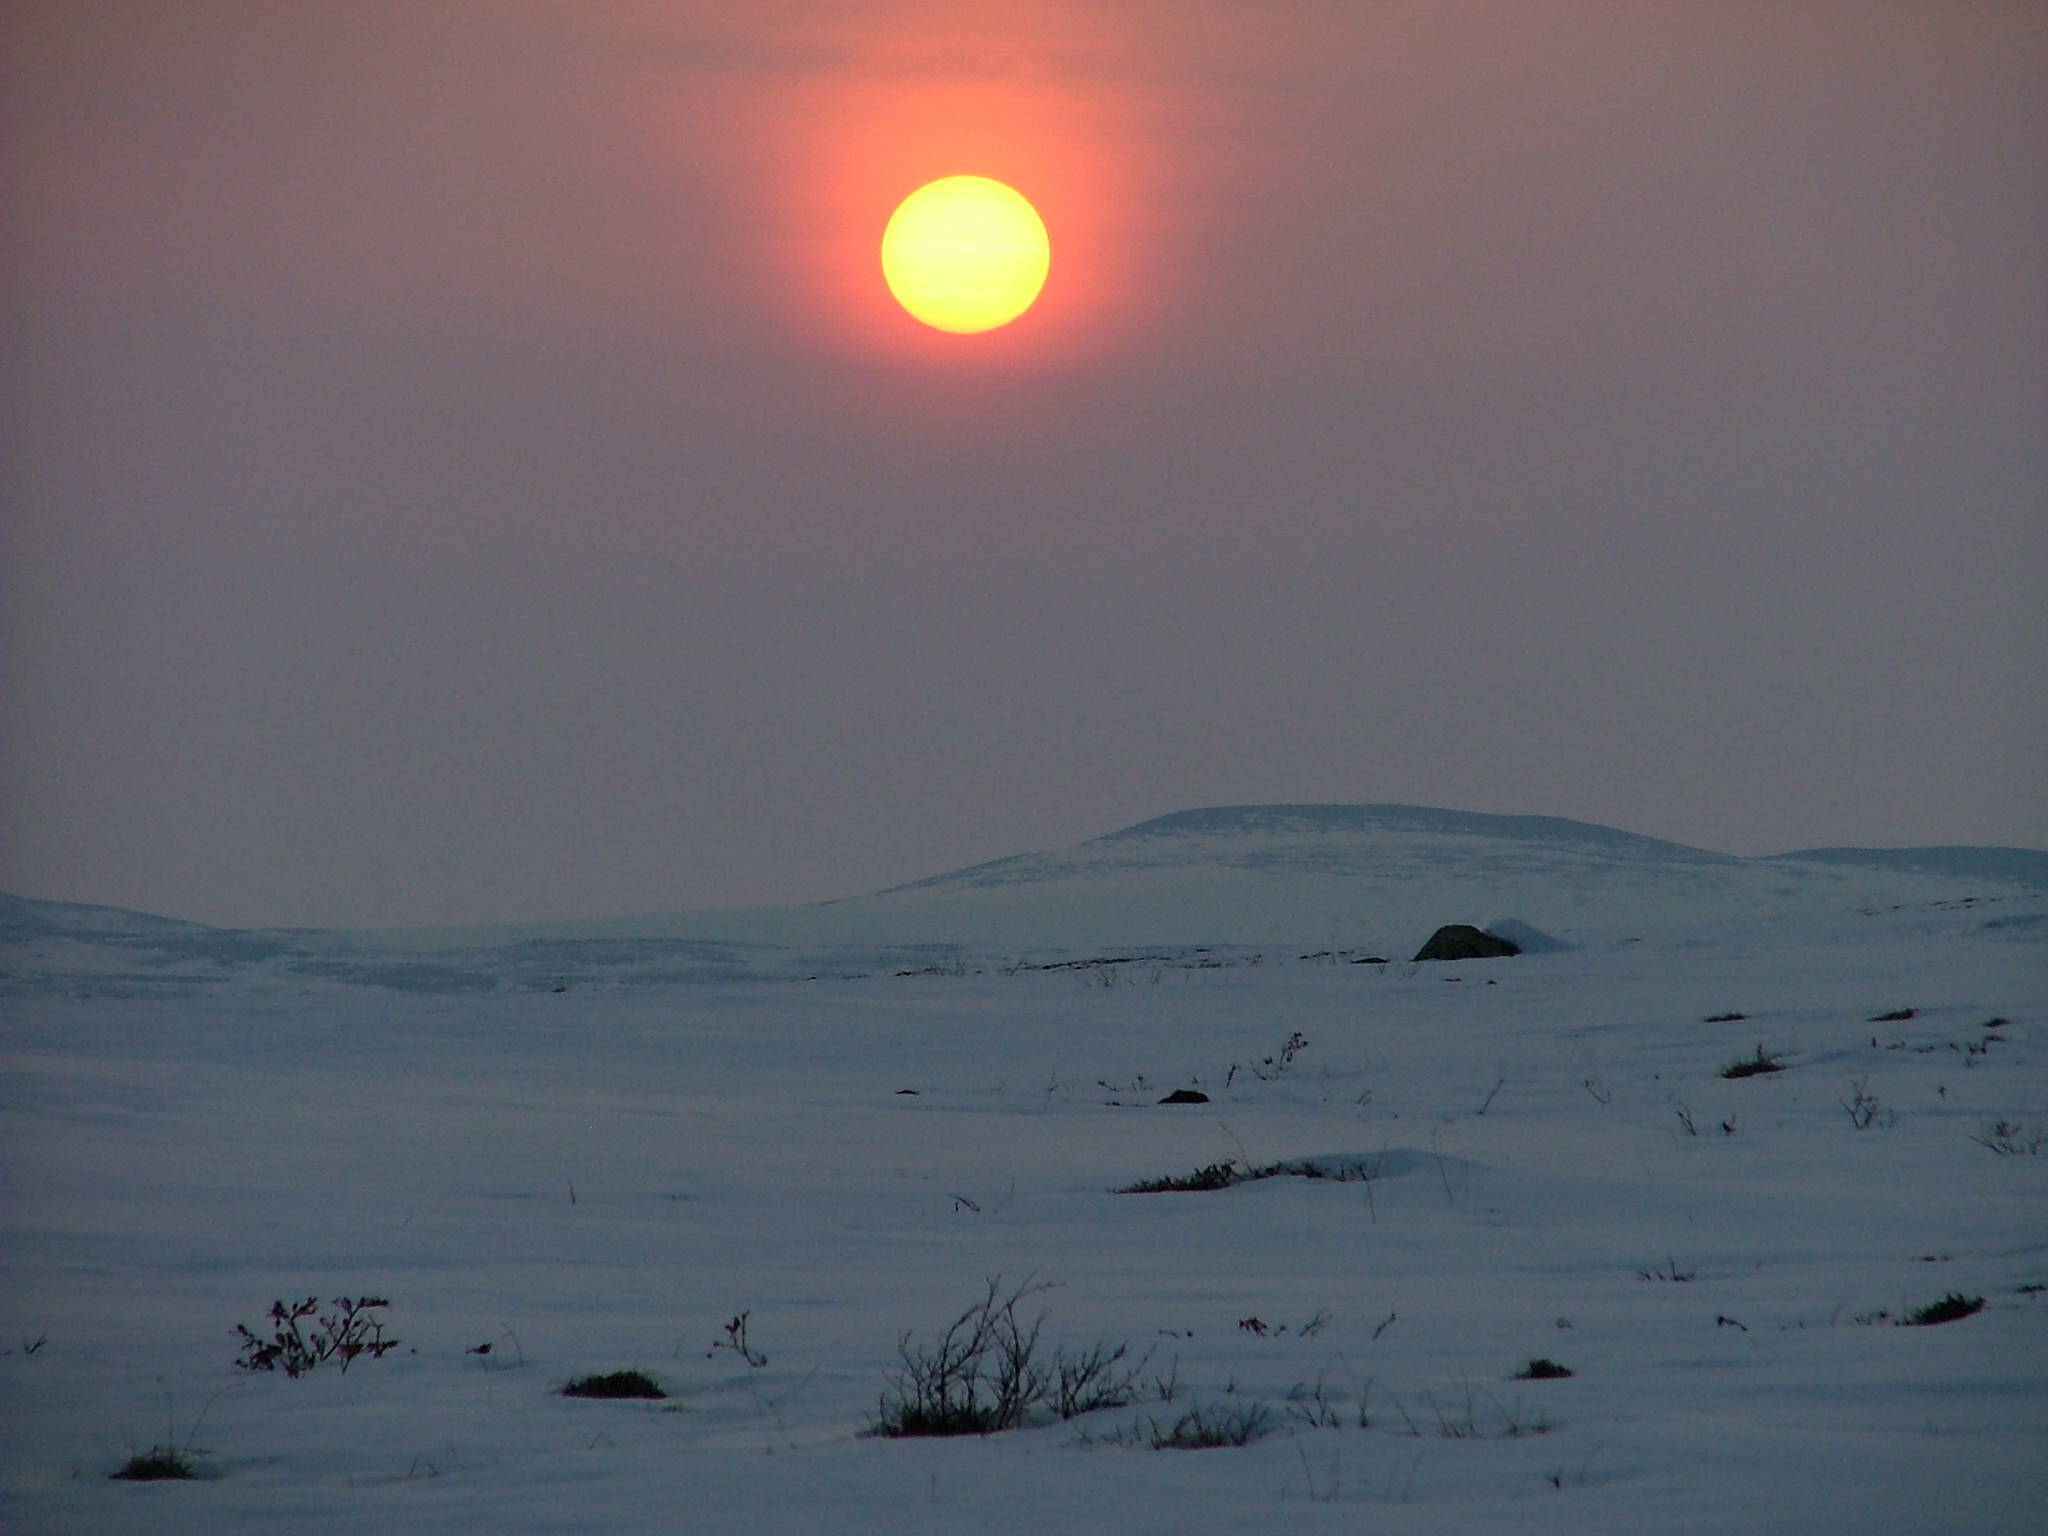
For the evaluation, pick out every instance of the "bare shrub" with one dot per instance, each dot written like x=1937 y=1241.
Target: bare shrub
x=2009 y=1139
x=1865 y=1109
x=1099 y=1378
x=353 y=1328
x=736 y=1334
x=985 y=1372
x=1668 y=1271
x=979 y=1376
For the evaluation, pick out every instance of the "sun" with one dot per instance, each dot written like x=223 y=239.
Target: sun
x=965 y=254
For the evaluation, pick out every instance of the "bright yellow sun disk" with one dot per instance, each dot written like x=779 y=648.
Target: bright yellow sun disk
x=965 y=254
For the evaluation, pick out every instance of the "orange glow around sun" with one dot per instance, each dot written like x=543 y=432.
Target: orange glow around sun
x=965 y=254
x=894 y=111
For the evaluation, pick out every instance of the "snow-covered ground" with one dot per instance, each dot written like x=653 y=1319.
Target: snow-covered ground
x=199 y=1122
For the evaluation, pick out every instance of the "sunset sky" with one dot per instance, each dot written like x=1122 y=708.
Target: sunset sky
x=460 y=460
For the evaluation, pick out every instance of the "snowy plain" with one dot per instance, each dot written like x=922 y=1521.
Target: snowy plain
x=592 y=1147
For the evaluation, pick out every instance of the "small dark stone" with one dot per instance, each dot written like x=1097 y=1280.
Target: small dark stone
x=1461 y=941
x=1186 y=1096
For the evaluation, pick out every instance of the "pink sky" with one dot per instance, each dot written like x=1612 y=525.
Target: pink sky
x=460 y=461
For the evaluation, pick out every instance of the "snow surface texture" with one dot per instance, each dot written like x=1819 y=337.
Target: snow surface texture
x=199 y=1122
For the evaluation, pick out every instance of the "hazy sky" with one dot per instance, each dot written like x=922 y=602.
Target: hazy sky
x=460 y=461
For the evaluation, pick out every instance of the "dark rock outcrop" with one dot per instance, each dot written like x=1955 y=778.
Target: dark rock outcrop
x=1461 y=941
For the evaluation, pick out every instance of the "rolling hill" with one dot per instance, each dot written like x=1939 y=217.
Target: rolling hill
x=1364 y=878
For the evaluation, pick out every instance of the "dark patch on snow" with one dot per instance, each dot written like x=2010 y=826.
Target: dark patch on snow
x=1461 y=941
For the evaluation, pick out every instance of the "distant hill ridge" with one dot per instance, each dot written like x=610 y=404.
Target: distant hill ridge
x=1380 y=875
x=1328 y=819
x=1341 y=840
x=24 y=917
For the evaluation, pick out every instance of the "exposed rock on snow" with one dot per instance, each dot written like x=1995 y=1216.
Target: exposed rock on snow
x=1461 y=941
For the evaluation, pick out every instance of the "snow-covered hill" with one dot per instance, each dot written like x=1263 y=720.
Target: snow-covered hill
x=1364 y=878
x=1699 y=1178
x=1384 y=876
x=1375 y=878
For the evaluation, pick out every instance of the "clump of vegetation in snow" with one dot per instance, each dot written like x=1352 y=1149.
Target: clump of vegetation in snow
x=1543 y=1369
x=157 y=1464
x=985 y=1372
x=1212 y=1176
x=737 y=1341
x=1669 y=1271
x=1227 y=1173
x=1896 y=1016
x=1093 y=1380
x=1754 y=1066
x=615 y=1384
x=1270 y=1067
x=172 y=1459
x=1949 y=1309
x=1203 y=1429
x=1314 y=1407
x=299 y=1340
x=2009 y=1139
x=1865 y=1108
x=1460 y=1419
